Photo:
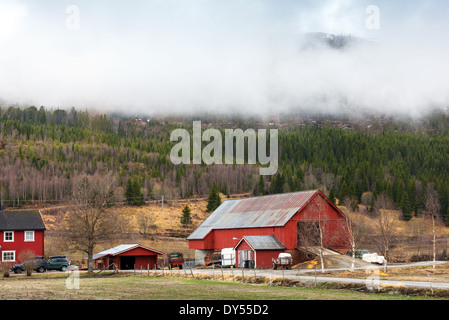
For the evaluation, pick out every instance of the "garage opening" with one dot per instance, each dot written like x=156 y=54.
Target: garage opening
x=127 y=263
x=308 y=235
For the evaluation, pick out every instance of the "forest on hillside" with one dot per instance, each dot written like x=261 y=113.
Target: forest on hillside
x=43 y=151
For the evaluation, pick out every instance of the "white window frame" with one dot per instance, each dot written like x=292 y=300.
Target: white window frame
x=13 y=256
x=25 y=236
x=4 y=236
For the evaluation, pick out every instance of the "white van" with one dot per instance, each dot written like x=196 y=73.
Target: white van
x=228 y=257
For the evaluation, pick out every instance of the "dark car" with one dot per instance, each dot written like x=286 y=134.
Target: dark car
x=58 y=263
x=38 y=264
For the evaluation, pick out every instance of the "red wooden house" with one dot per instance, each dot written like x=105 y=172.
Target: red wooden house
x=127 y=257
x=21 y=235
x=284 y=217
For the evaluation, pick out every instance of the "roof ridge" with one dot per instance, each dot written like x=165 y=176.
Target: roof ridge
x=274 y=195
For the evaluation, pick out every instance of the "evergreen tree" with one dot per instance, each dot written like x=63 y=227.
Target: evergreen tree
x=214 y=201
x=277 y=184
x=260 y=187
x=332 y=195
x=389 y=191
x=133 y=193
x=343 y=191
x=186 y=218
x=406 y=207
x=138 y=195
x=129 y=191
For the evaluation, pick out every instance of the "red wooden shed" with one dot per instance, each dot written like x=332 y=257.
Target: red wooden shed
x=259 y=249
x=127 y=257
x=285 y=216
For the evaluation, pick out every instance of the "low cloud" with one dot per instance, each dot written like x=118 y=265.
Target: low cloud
x=224 y=56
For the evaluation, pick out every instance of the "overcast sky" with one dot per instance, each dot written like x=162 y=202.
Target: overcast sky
x=222 y=55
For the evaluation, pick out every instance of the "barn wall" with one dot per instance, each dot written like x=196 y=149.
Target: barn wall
x=332 y=222
x=138 y=252
x=142 y=262
x=264 y=258
x=203 y=244
x=224 y=238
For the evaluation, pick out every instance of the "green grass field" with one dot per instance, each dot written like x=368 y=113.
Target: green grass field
x=128 y=287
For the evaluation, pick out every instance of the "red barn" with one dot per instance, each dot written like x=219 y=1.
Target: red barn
x=285 y=217
x=127 y=257
x=21 y=235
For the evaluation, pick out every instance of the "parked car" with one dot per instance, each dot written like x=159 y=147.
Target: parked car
x=358 y=253
x=37 y=263
x=58 y=263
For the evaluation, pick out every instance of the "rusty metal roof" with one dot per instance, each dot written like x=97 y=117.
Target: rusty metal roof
x=121 y=248
x=268 y=211
x=264 y=243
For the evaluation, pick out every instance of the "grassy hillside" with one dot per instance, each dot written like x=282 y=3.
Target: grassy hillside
x=168 y=235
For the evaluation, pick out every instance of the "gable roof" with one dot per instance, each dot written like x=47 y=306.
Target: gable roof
x=122 y=248
x=30 y=220
x=267 y=211
x=263 y=243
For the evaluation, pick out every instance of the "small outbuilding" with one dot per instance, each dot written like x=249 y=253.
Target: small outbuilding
x=127 y=257
x=259 y=250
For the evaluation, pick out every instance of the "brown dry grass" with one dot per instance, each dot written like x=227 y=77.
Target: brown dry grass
x=439 y=274
x=169 y=235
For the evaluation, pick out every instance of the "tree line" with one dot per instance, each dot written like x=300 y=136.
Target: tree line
x=42 y=151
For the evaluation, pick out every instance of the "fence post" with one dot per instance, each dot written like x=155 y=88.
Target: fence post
x=283 y=276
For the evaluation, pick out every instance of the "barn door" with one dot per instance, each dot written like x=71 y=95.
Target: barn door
x=242 y=258
x=308 y=234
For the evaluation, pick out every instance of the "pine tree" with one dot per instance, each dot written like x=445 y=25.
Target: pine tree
x=260 y=187
x=277 y=184
x=186 y=218
x=133 y=193
x=129 y=192
x=332 y=195
x=389 y=191
x=138 y=195
x=406 y=207
x=214 y=201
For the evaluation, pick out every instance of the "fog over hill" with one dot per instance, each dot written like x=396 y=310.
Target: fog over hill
x=255 y=57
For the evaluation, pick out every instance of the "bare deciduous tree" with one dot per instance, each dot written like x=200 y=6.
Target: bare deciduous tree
x=27 y=261
x=313 y=233
x=432 y=212
x=354 y=227
x=385 y=222
x=145 y=221
x=93 y=220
